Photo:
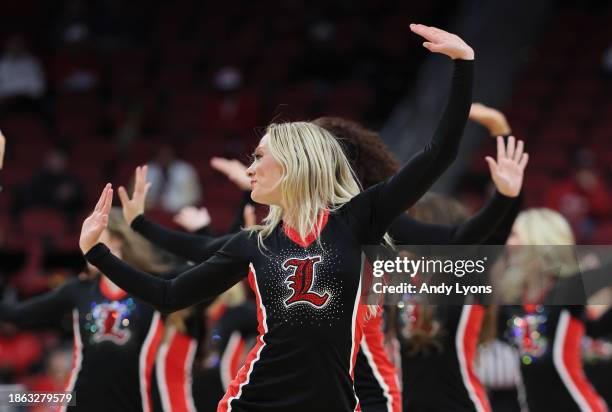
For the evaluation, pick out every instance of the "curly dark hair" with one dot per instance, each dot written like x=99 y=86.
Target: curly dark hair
x=369 y=156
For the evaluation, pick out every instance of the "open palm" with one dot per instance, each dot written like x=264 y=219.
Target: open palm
x=507 y=172
x=95 y=223
x=440 y=41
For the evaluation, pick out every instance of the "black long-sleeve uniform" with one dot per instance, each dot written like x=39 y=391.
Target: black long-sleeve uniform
x=441 y=380
x=115 y=340
x=375 y=382
x=307 y=292
x=549 y=340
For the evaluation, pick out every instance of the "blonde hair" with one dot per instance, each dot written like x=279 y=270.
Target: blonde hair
x=542 y=226
x=316 y=176
x=531 y=266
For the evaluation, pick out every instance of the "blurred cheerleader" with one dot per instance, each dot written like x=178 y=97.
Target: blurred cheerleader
x=116 y=336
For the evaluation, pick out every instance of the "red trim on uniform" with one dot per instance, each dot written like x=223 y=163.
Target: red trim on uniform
x=312 y=236
x=77 y=357
x=362 y=314
x=572 y=358
x=236 y=357
x=243 y=374
x=367 y=280
x=110 y=293
x=360 y=319
x=373 y=335
x=176 y=367
x=232 y=358
x=76 y=362
x=470 y=348
x=150 y=359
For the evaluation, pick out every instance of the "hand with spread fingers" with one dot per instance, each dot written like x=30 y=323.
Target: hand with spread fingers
x=507 y=172
x=136 y=205
x=95 y=224
x=440 y=41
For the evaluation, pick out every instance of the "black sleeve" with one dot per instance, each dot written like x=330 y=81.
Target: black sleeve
x=504 y=228
x=477 y=229
x=372 y=211
x=575 y=290
x=42 y=308
x=600 y=327
x=195 y=248
x=210 y=278
x=203 y=231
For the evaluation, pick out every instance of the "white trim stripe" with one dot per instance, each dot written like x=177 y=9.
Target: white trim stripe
x=162 y=378
x=381 y=381
x=78 y=354
x=160 y=370
x=226 y=359
x=561 y=367
x=463 y=322
x=261 y=339
x=193 y=347
x=354 y=343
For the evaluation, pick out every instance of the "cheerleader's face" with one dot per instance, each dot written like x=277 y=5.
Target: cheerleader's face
x=265 y=174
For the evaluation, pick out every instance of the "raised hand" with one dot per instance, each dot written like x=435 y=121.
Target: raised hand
x=494 y=120
x=440 y=41
x=2 y=146
x=507 y=172
x=191 y=218
x=95 y=224
x=136 y=205
x=234 y=170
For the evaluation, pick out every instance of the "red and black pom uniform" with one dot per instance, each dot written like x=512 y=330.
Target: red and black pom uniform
x=597 y=352
x=376 y=381
x=116 y=337
x=307 y=290
x=173 y=389
x=444 y=378
x=549 y=340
